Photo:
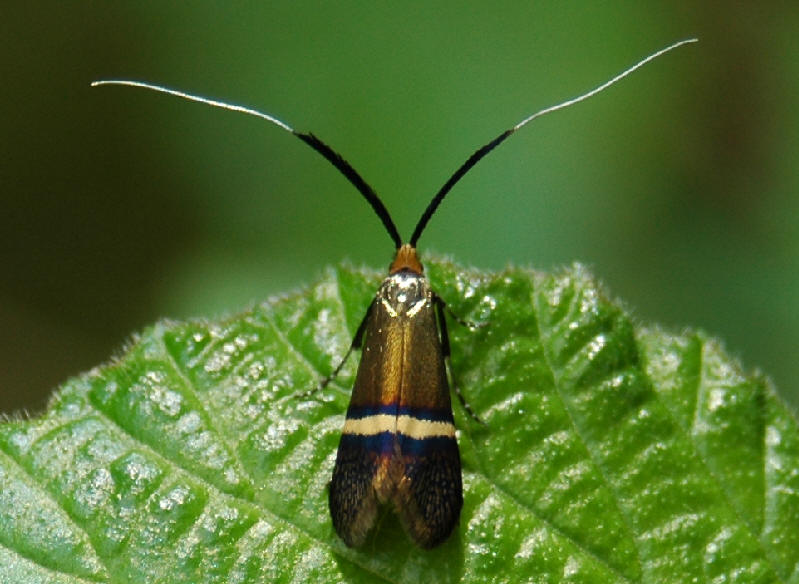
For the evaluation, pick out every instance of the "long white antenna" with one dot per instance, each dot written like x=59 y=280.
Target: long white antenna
x=333 y=157
x=604 y=86
x=285 y=126
x=190 y=97
x=346 y=169
x=481 y=152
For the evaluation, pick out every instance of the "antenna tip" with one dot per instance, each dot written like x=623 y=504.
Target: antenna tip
x=678 y=44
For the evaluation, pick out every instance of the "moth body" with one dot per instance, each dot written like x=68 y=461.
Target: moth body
x=398 y=444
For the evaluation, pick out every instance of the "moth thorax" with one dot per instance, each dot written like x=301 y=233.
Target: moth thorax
x=405 y=293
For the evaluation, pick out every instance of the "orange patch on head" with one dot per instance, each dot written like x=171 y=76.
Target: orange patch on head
x=406 y=259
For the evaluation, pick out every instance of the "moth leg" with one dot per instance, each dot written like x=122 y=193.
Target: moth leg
x=467 y=323
x=445 y=350
x=357 y=340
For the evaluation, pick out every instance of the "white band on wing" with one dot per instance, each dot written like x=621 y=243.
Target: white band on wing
x=407 y=425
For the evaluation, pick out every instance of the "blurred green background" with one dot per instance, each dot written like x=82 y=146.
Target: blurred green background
x=119 y=206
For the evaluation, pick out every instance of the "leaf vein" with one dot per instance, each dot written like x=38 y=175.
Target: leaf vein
x=281 y=337
x=554 y=528
x=594 y=458
x=704 y=460
x=232 y=496
x=52 y=571
x=198 y=403
x=51 y=496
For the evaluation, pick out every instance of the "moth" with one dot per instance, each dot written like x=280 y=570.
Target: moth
x=398 y=446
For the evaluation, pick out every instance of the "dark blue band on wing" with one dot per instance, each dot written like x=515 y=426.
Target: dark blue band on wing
x=421 y=413
x=383 y=443
x=421 y=447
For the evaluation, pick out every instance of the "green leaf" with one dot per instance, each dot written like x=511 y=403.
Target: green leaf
x=612 y=452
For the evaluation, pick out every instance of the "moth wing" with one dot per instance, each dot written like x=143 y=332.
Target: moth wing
x=352 y=498
x=430 y=495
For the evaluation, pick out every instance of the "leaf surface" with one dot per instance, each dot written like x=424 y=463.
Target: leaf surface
x=612 y=452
